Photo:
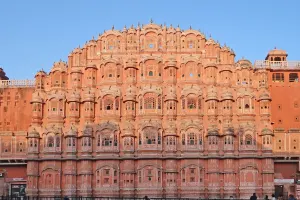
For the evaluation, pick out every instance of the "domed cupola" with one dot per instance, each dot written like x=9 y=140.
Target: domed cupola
x=210 y=41
x=212 y=94
x=33 y=134
x=130 y=94
x=171 y=94
x=244 y=63
x=72 y=132
x=131 y=63
x=36 y=98
x=59 y=66
x=226 y=95
x=87 y=131
x=264 y=96
x=74 y=97
x=225 y=48
x=88 y=96
x=131 y=30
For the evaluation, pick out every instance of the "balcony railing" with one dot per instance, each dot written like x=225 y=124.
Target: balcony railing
x=16 y=83
x=262 y=64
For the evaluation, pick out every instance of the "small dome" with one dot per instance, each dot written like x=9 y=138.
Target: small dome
x=130 y=94
x=227 y=95
x=72 y=132
x=87 y=131
x=88 y=96
x=33 y=134
x=210 y=41
x=59 y=66
x=40 y=73
x=36 y=98
x=244 y=63
x=264 y=96
x=267 y=131
x=212 y=94
x=74 y=97
x=77 y=50
x=225 y=48
x=131 y=30
x=171 y=94
x=212 y=131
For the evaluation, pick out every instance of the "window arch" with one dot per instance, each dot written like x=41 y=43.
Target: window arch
x=150 y=101
x=108 y=103
x=248 y=139
x=151 y=136
x=191 y=102
x=50 y=141
x=57 y=141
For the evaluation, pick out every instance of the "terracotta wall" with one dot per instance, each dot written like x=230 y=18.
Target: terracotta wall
x=15 y=109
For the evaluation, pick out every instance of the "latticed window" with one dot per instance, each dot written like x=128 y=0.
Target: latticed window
x=191 y=103
x=107 y=140
x=57 y=141
x=128 y=141
x=199 y=103
x=159 y=102
x=149 y=101
x=50 y=141
x=278 y=77
x=192 y=139
x=248 y=139
x=117 y=103
x=151 y=136
x=170 y=140
x=108 y=103
x=183 y=103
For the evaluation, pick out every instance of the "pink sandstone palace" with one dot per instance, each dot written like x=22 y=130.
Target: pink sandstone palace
x=156 y=111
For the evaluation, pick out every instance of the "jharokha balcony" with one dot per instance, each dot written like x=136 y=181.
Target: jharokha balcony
x=266 y=64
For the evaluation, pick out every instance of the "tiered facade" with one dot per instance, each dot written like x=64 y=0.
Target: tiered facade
x=154 y=111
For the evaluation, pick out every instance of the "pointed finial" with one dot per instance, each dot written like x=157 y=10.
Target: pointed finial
x=151 y=21
x=171 y=26
x=224 y=44
x=131 y=26
x=125 y=27
x=190 y=27
x=209 y=35
x=93 y=38
x=275 y=47
x=113 y=27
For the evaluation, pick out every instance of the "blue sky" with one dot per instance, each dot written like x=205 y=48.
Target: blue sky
x=35 y=33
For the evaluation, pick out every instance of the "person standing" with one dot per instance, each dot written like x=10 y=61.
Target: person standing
x=253 y=197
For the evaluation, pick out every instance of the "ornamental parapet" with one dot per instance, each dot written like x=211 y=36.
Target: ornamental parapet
x=17 y=83
x=266 y=64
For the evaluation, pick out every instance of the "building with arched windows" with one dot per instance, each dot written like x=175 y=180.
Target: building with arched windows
x=151 y=110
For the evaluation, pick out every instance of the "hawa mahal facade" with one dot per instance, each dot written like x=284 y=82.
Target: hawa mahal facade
x=151 y=110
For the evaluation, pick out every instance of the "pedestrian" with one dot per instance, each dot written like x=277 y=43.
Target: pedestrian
x=273 y=197
x=253 y=197
x=266 y=197
x=146 y=198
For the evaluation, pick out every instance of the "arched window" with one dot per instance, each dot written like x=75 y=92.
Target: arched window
x=150 y=73
x=57 y=141
x=108 y=103
x=192 y=139
x=191 y=103
x=151 y=136
x=248 y=139
x=50 y=141
x=107 y=140
x=149 y=101
x=247 y=106
x=117 y=103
